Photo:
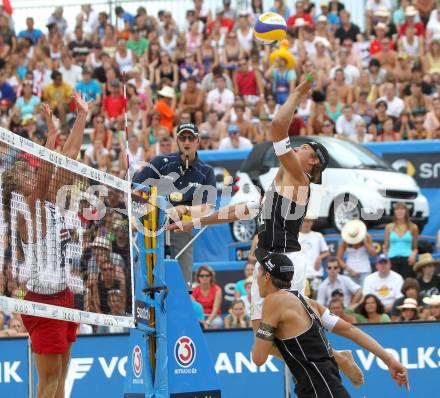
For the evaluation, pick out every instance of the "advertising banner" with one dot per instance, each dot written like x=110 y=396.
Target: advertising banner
x=14 y=370
x=99 y=363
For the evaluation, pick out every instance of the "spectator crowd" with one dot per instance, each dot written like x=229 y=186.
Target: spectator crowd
x=359 y=284
x=379 y=84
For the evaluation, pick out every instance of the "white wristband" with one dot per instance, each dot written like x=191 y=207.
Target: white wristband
x=329 y=320
x=282 y=147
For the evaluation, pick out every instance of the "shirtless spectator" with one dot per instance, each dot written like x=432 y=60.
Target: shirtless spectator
x=217 y=129
x=386 y=56
x=247 y=129
x=191 y=100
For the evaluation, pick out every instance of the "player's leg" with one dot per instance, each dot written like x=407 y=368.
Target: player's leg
x=349 y=367
x=49 y=368
x=65 y=358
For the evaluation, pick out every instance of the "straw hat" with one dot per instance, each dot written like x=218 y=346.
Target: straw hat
x=28 y=119
x=102 y=242
x=382 y=12
x=433 y=300
x=167 y=92
x=425 y=259
x=354 y=232
x=409 y=303
x=381 y=25
x=248 y=280
x=410 y=11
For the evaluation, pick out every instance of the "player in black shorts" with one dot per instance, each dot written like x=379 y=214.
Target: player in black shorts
x=296 y=326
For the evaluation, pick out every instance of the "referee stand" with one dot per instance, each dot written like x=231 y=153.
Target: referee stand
x=167 y=353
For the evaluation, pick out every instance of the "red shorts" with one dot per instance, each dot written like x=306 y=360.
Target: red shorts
x=50 y=336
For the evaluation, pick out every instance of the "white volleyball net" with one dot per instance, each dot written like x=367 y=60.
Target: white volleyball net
x=65 y=245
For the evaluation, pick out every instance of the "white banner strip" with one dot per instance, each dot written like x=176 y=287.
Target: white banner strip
x=62 y=161
x=32 y=308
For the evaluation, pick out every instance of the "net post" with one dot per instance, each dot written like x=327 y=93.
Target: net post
x=173 y=348
x=30 y=367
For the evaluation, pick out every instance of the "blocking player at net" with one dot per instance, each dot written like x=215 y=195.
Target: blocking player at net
x=38 y=182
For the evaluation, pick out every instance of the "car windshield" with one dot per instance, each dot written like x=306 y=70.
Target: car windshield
x=353 y=156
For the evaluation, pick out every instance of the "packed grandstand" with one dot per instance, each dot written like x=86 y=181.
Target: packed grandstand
x=378 y=84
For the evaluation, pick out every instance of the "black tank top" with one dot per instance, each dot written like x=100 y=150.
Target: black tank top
x=279 y=221
x=309 y=357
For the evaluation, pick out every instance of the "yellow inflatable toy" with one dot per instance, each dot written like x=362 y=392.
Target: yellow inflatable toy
x=283 y=52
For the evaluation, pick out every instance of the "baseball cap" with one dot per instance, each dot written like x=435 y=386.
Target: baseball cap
x=190 y=127
x=322 y=154
x=277 y=264
x=337 y=292
x=381 y=258
x=233 y=128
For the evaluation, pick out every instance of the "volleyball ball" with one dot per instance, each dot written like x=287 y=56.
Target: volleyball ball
x=270 y=28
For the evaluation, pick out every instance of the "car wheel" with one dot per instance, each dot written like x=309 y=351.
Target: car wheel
x=244 y=230
x=344 y=209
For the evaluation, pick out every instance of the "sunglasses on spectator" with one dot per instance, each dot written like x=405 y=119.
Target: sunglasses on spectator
x=204 y=275
x=183 y=138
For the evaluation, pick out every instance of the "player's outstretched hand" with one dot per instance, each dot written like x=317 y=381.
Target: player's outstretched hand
x=185 y=226
x=399 y=373
x=51 y=121
x=304 y=87
x=82 y=105
x=47 y=112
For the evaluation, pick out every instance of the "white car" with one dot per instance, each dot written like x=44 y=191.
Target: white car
x=357 y=184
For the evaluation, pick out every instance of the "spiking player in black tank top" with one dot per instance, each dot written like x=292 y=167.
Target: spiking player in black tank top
x=283 y=208
x=296 y=326
x=279 y=222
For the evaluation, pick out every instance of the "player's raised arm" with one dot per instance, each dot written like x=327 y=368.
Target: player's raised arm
x=73 y=143
x=46 y=169
x=338 y=326
x=51 y=126
x=280 y=131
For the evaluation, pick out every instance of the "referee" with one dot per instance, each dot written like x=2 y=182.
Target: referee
x=188 y=182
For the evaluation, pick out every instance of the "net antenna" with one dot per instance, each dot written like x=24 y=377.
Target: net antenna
x=129 y=198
